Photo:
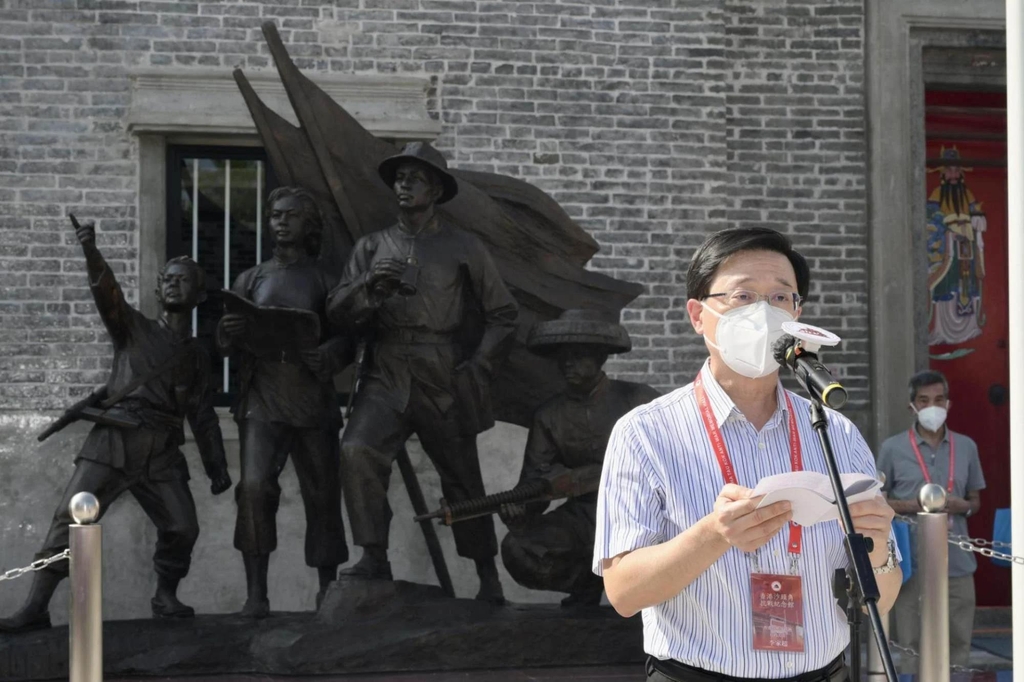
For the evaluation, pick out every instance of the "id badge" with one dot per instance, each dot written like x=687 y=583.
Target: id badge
x=778 y=608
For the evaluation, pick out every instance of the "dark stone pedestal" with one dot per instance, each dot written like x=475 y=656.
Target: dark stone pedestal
x=362 y=627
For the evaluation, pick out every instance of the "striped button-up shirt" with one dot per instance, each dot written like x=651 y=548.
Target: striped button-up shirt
x=661 y=477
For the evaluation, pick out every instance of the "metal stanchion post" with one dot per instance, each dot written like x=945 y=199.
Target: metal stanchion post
x=85 y=627
x=932 y=536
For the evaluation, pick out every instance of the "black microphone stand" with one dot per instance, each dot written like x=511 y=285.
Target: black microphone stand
x=856 y=587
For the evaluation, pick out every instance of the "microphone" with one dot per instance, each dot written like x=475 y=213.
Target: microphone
x=789 y=352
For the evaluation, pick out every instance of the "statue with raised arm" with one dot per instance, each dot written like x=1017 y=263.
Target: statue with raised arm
x=413 y=289
x=160 y=377
x=287 y=405
x=570 y=432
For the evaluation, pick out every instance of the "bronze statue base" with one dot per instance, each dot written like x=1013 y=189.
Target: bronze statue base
x=362 y=627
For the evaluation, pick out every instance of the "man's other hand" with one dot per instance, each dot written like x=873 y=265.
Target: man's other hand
x=873 y=519
x=739 y=522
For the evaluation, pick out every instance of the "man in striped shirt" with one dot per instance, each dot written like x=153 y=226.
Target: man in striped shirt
x=678 y=533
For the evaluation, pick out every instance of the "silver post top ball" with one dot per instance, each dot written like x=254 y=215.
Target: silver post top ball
x=84 y=508
x=932 y=498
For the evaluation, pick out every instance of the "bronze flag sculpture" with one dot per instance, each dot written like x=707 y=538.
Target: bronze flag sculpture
x=539 y=250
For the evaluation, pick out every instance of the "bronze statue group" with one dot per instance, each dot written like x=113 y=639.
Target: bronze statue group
x=407 y=294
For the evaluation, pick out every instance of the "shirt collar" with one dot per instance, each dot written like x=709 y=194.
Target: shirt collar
x=722 y=405
x=920 y=438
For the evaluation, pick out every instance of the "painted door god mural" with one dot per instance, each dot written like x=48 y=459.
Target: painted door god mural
x=956 y=255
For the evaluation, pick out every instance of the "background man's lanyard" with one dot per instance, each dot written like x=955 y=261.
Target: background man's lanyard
x=920 y=459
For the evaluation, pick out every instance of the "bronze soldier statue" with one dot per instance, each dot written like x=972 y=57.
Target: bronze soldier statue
x=553 y=551
x=160 y=377
x=287 y=403
x=414 y=287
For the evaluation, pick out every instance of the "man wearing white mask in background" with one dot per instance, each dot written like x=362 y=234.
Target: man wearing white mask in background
x=929 y=452
x=729 y=591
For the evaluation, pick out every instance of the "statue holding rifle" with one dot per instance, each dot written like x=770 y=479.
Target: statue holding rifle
x=160 y=377
x=567 y=442
x=413 y=288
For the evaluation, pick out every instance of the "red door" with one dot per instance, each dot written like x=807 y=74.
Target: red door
x=969 y=324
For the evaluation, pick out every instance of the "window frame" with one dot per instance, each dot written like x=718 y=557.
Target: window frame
x=173 y=237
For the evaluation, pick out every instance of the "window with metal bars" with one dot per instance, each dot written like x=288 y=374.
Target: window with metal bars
x=215 y=203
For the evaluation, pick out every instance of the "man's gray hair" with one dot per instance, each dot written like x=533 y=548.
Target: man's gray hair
x=928 y=377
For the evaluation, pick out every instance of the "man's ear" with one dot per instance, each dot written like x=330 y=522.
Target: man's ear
x=201 y=298
x=694 y=310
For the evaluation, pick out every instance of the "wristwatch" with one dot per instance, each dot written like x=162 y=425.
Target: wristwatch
x=890 y=564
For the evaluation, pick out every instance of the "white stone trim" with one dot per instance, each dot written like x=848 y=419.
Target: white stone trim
x=204 y=107
x=207 y=101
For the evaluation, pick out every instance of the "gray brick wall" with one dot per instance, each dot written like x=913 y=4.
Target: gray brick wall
x=653 y=123
x=797 y=155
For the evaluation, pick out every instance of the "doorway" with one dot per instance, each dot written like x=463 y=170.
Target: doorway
x=968 y=325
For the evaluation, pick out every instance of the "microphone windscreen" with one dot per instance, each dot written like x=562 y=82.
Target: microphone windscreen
x=781 y=347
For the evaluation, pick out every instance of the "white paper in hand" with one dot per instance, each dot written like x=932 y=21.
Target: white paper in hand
x=810 y=493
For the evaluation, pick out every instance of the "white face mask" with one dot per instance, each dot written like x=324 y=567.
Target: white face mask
x=744 y=338
x=932 y=418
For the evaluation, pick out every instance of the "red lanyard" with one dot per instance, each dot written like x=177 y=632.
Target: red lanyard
x=728 y=473
x=924 y=469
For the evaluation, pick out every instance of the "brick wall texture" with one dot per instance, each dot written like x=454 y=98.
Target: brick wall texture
x=652 y=122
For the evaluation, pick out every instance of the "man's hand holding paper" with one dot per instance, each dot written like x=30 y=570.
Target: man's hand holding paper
x=811 y=495
x=744 y=521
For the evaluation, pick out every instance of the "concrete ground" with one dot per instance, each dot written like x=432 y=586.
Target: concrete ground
x=985 y=666
x=991 y=661
x=615 y=674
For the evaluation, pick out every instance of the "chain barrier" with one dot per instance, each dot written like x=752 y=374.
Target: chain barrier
x=978 y=545
x=986 y=552
x=907 y=651
x=37 y=565
x=980 y=542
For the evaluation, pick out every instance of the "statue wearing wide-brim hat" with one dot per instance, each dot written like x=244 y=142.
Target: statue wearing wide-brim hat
x=579 y=327
x=570 y=431
x=437 y=341
x=423 y=153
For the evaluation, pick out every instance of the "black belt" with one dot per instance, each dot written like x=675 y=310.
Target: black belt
x=680 y=672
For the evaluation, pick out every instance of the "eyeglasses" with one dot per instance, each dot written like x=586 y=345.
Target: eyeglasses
x=737 y=298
